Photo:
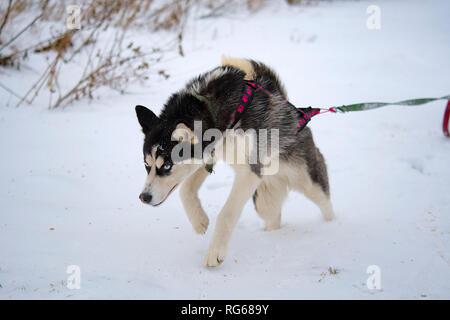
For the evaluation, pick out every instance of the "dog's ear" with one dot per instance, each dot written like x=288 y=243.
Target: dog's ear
x=183 y=133
x=146 y=118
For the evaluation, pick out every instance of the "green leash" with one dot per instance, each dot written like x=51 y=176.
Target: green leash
x=305 y=114
x=374 y=105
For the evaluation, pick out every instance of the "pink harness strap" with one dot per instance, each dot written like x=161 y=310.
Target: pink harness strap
x=446 y=124
x=305 y=114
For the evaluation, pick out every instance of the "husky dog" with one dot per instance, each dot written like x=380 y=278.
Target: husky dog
x=212 y=99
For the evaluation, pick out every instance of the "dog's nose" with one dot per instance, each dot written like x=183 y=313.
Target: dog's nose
x=145 y=197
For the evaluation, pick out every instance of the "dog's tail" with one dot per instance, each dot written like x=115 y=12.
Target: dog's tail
x=256 y=71
x=241 y=64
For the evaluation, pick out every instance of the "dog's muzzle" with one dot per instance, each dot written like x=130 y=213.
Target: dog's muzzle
x=145 y=198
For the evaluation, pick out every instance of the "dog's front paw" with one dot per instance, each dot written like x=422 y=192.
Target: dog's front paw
x=201 y=224
x=214 y=257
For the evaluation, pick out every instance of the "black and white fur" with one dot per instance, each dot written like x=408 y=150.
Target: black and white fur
x=301 y=165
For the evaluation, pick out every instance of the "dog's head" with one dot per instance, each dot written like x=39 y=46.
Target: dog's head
x=164 y=171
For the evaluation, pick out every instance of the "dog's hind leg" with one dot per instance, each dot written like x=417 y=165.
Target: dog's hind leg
x=191 y=202
x=313 y=187
x=318 y=190
x=316 y=194
x=268 y=199
x=245 y=184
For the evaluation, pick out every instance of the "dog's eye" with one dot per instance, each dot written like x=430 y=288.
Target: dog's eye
x=167 y=166
x=146 y=165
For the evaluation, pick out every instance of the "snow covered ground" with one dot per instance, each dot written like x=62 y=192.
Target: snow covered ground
x=70 y=179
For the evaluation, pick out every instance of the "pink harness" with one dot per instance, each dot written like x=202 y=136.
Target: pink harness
x=304 y=114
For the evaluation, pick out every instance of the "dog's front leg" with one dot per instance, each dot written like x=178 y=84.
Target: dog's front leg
x=191 y=201
x=245 y=184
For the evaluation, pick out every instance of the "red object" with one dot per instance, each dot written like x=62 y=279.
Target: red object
x=446 y=124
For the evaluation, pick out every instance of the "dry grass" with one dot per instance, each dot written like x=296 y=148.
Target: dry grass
x=106 y=63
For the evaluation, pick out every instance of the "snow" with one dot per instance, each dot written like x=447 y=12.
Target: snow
x=79 y=171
